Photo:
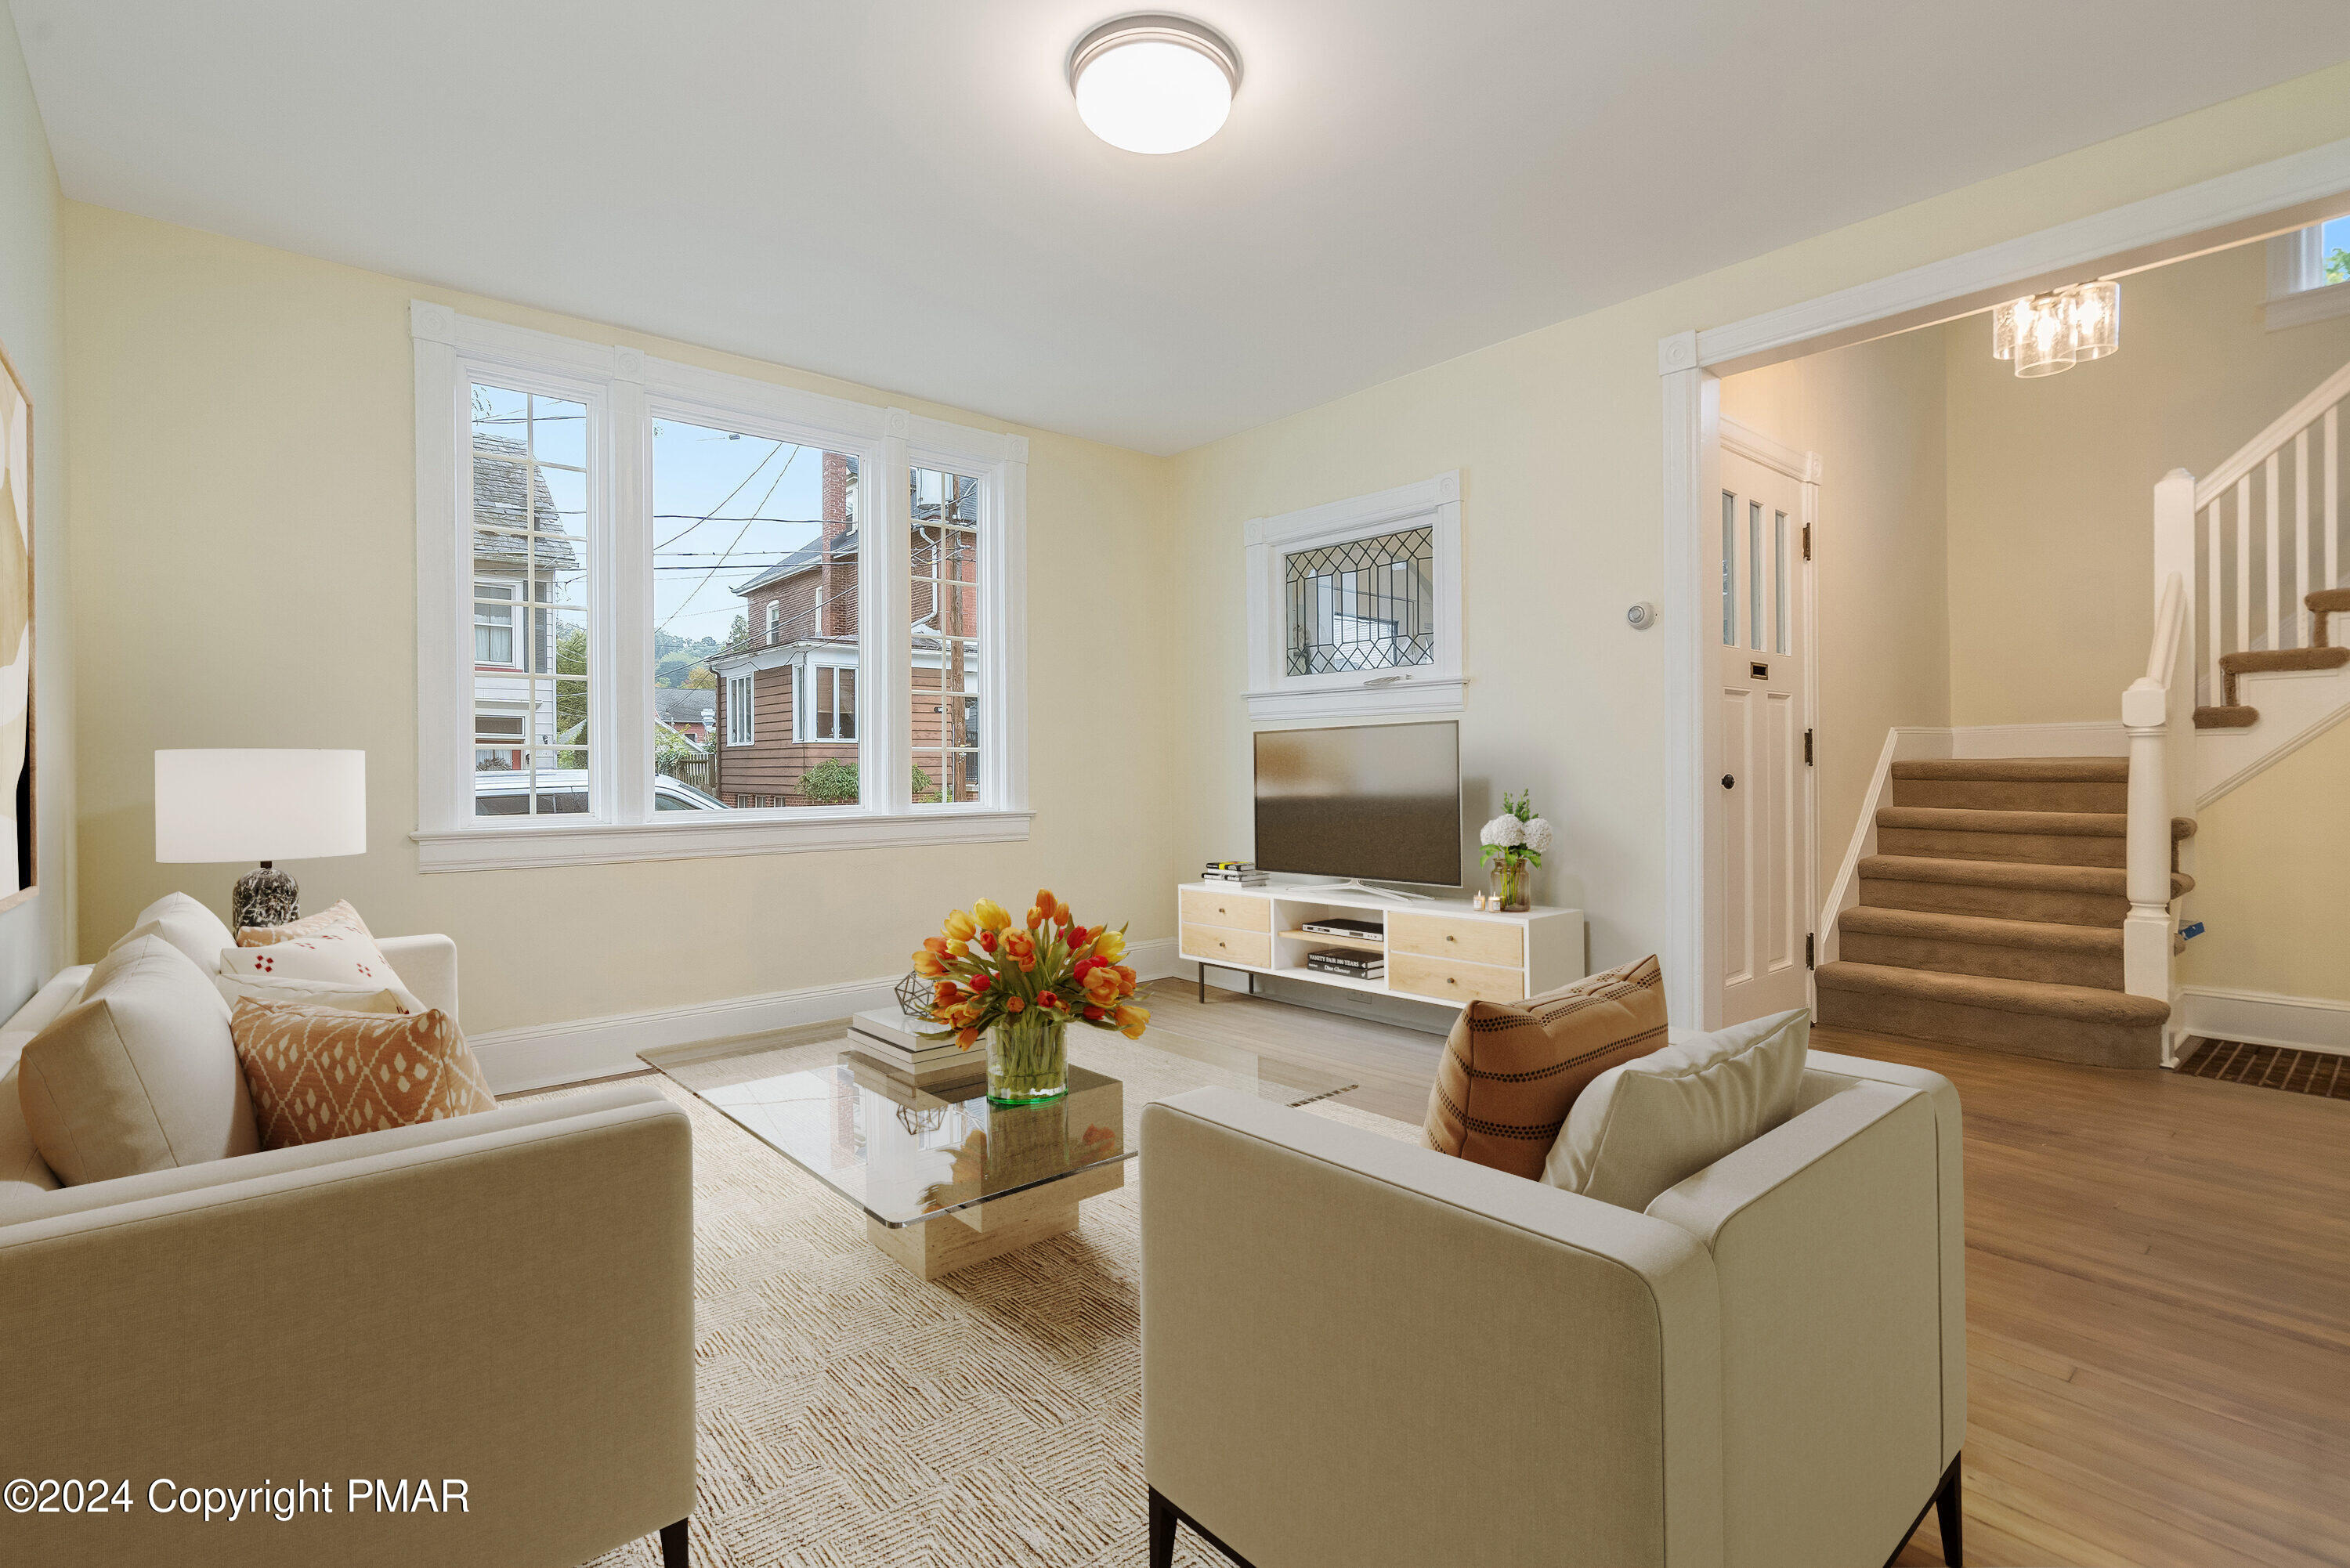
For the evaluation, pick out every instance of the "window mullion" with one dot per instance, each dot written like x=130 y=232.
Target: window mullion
x=887 y=634
x=619 y=687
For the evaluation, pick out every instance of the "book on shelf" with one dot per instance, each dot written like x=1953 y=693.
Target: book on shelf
x=1231 y=866
x=1246 y=878
x=1348 y=962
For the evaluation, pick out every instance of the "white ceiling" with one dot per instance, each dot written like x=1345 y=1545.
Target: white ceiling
x=900 y=193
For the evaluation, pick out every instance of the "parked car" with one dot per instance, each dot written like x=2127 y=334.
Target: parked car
x=564 y=792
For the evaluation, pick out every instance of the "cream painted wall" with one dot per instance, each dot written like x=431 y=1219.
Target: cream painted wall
x=245 y=507
x=36 y=936
x=1559 y=436
x=1874 y=413
x=2051 y=481
x=2269 y=865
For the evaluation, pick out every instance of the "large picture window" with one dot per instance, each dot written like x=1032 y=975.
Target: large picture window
x=682 y=613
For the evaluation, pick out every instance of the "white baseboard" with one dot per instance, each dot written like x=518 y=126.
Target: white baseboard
x=2264 y=1018
x=2101 y=738
x=538 y=1055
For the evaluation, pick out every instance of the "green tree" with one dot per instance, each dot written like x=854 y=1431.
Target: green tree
x=833 y=781
x=2337 y=265
x=571 y=699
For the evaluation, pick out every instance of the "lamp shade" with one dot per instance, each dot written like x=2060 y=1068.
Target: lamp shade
x=219 y=805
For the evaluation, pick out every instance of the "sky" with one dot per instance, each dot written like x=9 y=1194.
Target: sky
x=762 y=499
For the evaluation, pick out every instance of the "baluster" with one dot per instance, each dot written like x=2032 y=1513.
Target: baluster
x=2212 y=586
x=2276 y=552
x=2333 y=501
x=2244 y=564
x=2300 y=534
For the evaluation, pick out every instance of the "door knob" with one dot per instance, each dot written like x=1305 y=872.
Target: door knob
x=1728 y=782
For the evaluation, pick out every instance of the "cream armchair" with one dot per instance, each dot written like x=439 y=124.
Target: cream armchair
x=502 y=1301
x=1359 y=1353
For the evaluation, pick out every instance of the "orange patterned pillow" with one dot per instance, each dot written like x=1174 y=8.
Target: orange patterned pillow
x=342 y=918
x=318 y=1074
x=1511 y=1070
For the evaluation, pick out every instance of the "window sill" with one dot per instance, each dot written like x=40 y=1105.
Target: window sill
x=501 y=847
x=1420 y=694
x=2306 y=306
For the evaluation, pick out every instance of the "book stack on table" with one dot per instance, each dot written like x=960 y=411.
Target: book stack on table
x=1351 y=962
x=1241 y=871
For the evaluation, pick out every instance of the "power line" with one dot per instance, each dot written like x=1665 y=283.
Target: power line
x=717 y=565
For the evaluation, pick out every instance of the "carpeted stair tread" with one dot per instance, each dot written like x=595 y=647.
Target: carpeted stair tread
x=2113 y=880
x=2073 y=1001
x=2265 y=660
x=2025 y=770
x=2236 y=716
x=1982 y=930
x=2059 y=824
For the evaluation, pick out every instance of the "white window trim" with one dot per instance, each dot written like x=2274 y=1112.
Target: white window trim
x=1438 y=687
x=741 y=717
x=623 y=386
x=2297 y=295
x=804 y=697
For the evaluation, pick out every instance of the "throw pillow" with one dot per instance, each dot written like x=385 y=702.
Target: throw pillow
x=1512 y=1070
x=1652 y=1123
x=140 y=1075
x=235 y=988
x=345 y=959
x=318 y=1074
x=340 y=919
x=184 y=923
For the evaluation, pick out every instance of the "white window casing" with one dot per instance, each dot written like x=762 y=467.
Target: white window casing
x=2298 y=291
x=1438 y=685
x=624 y=391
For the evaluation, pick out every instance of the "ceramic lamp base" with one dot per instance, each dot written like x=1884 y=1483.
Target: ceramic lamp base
x=265 y=896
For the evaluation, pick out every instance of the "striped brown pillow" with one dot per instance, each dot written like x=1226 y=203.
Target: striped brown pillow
x=1512 y=1070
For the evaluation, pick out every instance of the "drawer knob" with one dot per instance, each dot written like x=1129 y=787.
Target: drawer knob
x=1450 y=980
x=1450 y=938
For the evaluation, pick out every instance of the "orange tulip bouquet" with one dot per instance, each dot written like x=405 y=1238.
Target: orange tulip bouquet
x=1023 y=986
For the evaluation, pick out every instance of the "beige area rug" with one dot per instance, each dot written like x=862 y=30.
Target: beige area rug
x=852 y=1415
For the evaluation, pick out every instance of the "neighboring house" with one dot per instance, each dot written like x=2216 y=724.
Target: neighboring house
x=690 y=712
x=788 y=688
x=512 y=568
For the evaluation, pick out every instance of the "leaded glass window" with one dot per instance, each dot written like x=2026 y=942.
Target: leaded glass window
x=1361 y=603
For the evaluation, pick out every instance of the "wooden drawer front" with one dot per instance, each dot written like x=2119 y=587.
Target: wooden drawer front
x=1216 y=944
x=1448 y=980
x=1495 y=943
x=1234 y=912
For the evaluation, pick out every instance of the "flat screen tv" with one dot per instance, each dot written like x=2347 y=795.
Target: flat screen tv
x=1375 y=803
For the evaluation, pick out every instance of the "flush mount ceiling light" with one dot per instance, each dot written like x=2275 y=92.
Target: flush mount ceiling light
x=2046 y=333
x=1154 y=83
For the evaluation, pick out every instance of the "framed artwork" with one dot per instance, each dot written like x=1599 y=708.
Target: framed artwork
x=17 y=838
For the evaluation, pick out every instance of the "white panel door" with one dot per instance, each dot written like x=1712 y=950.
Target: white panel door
x=1762 y=918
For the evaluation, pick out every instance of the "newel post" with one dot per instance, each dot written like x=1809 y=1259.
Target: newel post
x=2174 y=535
x=2146 y=932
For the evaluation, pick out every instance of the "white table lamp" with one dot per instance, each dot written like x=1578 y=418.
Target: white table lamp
x=260 y=805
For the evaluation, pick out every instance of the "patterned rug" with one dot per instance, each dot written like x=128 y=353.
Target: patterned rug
x=2318 y=1073
x=851 y=1416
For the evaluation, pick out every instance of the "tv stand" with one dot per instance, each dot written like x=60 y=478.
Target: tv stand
x=1352 y=884
x=1438 y=950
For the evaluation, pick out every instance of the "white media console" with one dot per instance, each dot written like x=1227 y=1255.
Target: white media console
x=1436 y=951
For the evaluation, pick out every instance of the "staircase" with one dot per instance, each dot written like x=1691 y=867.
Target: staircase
x=1993 y=912
x=2230 y=715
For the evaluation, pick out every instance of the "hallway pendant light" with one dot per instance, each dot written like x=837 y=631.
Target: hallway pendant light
x=2046 y=333
x=1154 y=83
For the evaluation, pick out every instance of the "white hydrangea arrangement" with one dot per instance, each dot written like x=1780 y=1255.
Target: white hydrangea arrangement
x=1518 y=840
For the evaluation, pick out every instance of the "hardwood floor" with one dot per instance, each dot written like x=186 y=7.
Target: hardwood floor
x=2157 y=1295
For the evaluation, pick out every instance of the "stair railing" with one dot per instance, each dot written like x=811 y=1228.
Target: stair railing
x=2268 y=519
x=2158 y=711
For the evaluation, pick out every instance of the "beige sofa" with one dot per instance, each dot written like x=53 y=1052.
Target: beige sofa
x=1358 y=1352
x=502 y=1301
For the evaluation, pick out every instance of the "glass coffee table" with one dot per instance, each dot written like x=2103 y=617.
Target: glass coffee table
x=945 y=1178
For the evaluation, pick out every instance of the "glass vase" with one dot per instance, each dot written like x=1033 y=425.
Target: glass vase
x=1511 y=884
x=1028 y=1060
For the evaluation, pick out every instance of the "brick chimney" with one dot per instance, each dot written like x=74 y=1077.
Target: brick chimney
x=836 y=527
